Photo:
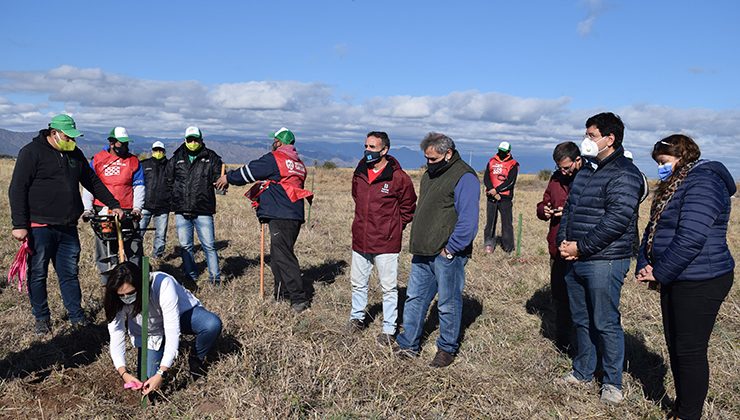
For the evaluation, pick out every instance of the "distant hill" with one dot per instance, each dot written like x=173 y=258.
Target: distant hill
x=238 y=151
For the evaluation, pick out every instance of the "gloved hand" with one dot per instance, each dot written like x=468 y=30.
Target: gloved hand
x=87 y=215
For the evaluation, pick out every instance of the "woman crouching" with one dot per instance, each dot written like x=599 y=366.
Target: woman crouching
x=172 y=310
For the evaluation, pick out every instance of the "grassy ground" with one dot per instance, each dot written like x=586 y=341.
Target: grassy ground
x=271 y=363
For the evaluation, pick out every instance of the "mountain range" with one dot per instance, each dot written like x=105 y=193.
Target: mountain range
x=313 y=152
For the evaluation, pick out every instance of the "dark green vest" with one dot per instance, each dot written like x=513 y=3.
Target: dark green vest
x=435 y=216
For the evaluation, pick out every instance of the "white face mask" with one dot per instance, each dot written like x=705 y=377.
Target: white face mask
x=590 y=148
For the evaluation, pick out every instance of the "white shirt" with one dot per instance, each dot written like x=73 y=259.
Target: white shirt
x=167 y=300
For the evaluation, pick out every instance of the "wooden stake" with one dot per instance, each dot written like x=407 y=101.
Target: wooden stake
x=262 y=261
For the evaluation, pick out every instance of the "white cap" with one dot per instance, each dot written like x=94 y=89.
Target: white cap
x=158 y=144
x=193 y=131
x=505 y=146
x=628 y=154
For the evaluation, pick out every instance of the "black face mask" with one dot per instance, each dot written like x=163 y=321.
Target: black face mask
x=502 y=155
x=436 y=167
x=121 y=151
x=372 y=157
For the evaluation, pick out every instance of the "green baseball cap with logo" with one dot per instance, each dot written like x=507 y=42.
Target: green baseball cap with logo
x=193 y=131
x=66 y=125
x=120 y=134
x=284 y=135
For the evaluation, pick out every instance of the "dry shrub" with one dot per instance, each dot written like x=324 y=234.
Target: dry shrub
x=271 y=363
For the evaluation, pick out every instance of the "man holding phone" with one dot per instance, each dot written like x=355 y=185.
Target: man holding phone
x=567 y=157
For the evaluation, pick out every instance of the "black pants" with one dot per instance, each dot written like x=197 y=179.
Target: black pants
x=689 y=310
x=507 y=229
x=563 y=322
x=283 y=262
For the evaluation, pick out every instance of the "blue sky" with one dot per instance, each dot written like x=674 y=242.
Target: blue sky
x=529 y=72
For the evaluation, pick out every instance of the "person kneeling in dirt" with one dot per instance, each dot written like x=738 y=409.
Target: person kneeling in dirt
x=172 y=310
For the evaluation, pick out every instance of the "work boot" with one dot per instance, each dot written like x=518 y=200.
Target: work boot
x=442 y=359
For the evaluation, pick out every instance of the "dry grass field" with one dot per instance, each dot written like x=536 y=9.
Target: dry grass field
x=271 y=363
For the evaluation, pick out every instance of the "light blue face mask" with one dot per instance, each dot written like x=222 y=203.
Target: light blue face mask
x=128 y=299
x=665 y=171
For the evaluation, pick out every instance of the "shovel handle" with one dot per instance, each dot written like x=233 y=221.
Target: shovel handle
x=121 y=251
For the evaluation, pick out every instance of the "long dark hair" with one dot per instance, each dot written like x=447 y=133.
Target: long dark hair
x=687 y=151
x=124 y=273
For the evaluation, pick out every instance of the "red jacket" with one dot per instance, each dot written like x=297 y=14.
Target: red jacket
x=556 y=194
x=382 y=209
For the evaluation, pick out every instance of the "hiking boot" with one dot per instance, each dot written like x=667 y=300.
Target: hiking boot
x=300 y=307
x=570 y=380
x=610 y=394
x=43 y=327
x=403 y=353
x=442 y=359
x=385 y=340
x=355 y=326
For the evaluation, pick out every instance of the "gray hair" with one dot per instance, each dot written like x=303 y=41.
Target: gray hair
x=438 y=141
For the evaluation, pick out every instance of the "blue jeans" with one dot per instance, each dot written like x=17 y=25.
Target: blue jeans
x=362 y=266
x=61 y=246
x=594 y=289
x=198 y=321
x=429 y=276
x=203 y=224
x=160 y=232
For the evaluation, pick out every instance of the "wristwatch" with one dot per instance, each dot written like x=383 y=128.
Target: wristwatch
x=448 y=255
x=161 y=373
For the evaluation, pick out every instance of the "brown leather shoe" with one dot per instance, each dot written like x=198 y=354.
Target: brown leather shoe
x=442 y=359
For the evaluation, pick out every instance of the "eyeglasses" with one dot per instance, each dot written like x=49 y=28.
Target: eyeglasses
x=567 y=169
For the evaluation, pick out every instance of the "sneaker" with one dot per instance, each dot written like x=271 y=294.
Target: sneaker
x=489 y=249
x=610 y=394
x=442 y=359
x=355 y=326
x=43 y=327
x=197 y=368
x=80 y=324
x=300 y=307
x=403 y=353
x=385 y=340
x=570 y=380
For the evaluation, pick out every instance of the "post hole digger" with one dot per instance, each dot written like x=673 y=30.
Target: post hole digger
x=117 y=240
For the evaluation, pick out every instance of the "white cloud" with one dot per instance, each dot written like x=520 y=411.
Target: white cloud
x=594 y=9
x=99 y=100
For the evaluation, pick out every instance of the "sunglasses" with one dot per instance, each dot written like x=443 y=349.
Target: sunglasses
x=123 y=295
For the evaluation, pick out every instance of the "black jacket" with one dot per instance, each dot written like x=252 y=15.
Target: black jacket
x=601 y=211
x=191 y=184
x=157 y=197
x=45 y=185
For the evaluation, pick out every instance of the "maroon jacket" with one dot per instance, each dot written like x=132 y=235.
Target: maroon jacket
x=556 y=194
x=382 y=209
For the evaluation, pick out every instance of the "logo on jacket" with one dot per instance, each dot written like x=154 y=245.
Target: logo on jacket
x=385 y=189
x=113 y=169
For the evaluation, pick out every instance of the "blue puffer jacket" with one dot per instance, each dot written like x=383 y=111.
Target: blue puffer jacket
x=691 y=237
x=600 y=214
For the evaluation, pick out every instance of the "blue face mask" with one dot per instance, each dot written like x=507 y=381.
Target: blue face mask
x=665 y=171
x=128 y=299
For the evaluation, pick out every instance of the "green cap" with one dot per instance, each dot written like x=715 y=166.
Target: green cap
x=66 y=125
x=284 y=135
x=120 y=134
